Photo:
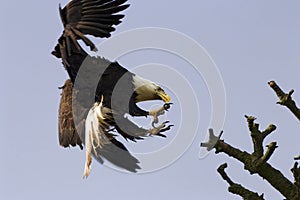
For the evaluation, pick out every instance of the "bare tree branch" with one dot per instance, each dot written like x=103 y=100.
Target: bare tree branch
x=257 y=162
x=238 y=189
x=285 y=99
x=258 y=166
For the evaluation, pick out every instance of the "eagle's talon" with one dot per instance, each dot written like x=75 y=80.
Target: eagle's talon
x=153 y=123
x=167 y=106
x=159 y=129
x=166 y=128
x=161 y=135
x=162 y=125
x=159 y=112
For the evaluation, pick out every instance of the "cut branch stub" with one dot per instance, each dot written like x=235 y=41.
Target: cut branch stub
x=296 y=172
x=252 y=127
x=258 y=136
x=281 y=95
x=212 y=141
x=269 y=152
x=269 y=130
x=285 y=99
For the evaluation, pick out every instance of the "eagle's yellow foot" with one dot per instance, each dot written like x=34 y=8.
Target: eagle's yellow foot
x=157 y=130
x=159 y=112
x=87 y=168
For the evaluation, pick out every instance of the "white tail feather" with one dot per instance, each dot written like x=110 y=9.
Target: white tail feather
x=93 y=133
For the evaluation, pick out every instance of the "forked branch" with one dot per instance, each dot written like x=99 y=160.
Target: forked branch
x=258 y=136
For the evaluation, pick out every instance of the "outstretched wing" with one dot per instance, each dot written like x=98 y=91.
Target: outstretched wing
x=87 y=17
x=93 y=17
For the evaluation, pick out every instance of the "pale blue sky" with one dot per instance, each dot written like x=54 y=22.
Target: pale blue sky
x=251 y=42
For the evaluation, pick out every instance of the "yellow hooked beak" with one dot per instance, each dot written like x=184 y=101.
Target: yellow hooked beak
x=166 y=98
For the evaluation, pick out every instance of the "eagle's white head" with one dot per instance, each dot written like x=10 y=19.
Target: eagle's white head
x=147 y=90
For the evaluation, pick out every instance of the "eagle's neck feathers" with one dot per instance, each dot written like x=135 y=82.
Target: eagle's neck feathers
x=145 y=90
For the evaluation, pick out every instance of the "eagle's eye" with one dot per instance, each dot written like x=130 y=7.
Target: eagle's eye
x=159 y=89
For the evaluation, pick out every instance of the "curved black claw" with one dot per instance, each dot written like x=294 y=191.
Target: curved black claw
x=159 y=129
x=162 y=125
x=161 y=135
x=166 y=128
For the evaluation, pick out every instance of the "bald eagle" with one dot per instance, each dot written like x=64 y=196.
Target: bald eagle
x=100 y=93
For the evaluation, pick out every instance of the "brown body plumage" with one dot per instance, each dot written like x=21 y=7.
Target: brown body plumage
x=68 y=135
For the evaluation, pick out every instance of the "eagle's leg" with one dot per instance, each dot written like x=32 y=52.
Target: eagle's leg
x=157 y=130
x=159 y=112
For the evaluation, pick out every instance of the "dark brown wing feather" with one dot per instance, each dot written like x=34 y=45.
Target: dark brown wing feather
x=87 y=17
x=67 y=133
